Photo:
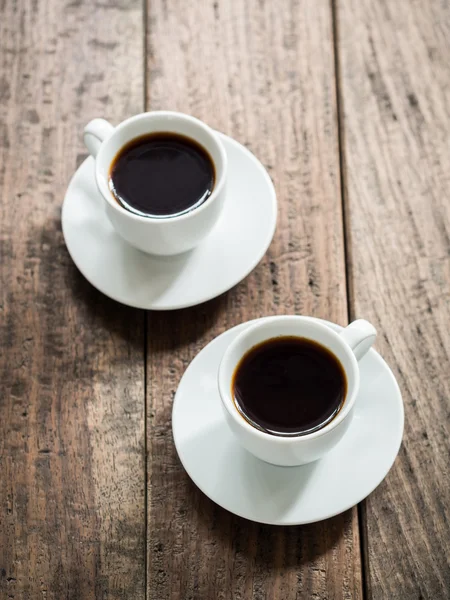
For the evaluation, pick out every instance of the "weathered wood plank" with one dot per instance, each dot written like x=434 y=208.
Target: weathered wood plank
x=396 y=118
x=71 y=366
x=262 y=72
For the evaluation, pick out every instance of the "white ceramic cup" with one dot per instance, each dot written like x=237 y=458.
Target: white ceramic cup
x=349 y=346
x=157 y=235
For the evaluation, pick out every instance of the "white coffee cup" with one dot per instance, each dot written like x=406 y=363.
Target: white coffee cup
x=349 y=346
x=156 y=235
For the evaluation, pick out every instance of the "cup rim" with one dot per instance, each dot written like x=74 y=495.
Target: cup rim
x=101 y=178
x=224 y=383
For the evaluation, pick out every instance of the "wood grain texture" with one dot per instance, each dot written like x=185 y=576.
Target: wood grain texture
x=395 y=82
x=71 y=366
x=263 y=73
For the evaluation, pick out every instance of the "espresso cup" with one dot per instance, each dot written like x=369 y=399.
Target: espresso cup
x=155 y=235
x=348 y=346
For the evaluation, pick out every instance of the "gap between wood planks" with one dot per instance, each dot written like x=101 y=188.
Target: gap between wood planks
x=144 y=102
x=361 y=508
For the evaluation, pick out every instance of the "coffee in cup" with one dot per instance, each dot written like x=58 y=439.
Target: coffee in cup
x=161 y=175
x=289 y=386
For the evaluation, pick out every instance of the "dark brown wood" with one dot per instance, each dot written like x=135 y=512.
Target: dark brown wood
x=396 y=120
x=71 y=364
x=262 y=72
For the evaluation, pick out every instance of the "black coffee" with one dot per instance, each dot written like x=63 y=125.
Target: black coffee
x=161 y=175
x=289 y=386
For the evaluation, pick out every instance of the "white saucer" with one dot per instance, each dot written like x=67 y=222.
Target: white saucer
x=233 y=249
x=250 y=488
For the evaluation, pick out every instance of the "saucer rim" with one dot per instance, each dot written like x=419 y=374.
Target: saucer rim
x=400 y=430
x=181 y=305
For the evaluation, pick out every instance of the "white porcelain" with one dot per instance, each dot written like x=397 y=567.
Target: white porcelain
x=227 y=255
x=354 y=341
x=157 y=235
x=256 y=490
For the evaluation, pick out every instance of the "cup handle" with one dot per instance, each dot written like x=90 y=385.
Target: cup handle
x=360 y=336
x=95 y=132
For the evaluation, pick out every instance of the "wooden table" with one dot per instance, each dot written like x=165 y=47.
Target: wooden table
x=347 y=104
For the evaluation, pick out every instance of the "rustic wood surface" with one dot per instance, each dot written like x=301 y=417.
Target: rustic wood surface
x=94 y=503
x=396 y=120
x=72 y=482
x=265 y=75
